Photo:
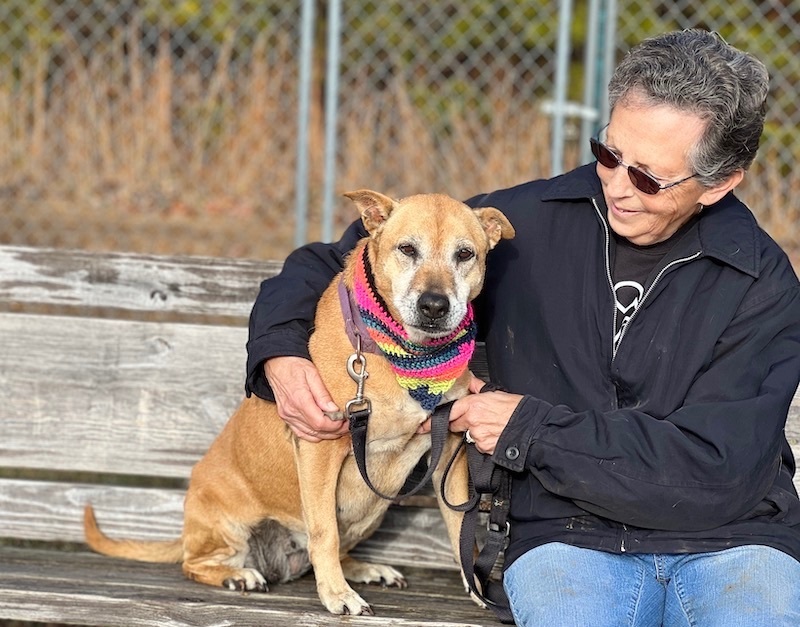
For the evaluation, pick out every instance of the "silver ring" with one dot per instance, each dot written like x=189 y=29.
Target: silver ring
x=468 y=437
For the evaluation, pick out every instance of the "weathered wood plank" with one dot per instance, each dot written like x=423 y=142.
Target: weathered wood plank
x=53 y=511
x=185 y=285
x=82 y=588
x=115 y=396
x=125 y=396
x=793 y=429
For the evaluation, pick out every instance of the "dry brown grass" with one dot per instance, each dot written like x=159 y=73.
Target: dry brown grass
x=129 y=152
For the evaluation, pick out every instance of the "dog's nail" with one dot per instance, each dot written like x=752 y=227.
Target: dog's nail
x=234 y=584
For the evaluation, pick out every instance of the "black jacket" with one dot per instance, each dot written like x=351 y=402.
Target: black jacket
x=672 y=444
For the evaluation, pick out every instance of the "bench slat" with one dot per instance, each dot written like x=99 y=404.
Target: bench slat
x=115 y=396
x=184 y=285
x=53 y=511
x=87 y=589
x=793 y=429
x=124 y=396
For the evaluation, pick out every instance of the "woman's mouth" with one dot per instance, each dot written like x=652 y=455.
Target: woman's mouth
x=622 y=212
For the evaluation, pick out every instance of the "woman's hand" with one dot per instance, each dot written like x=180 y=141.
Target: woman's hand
x=302 y=399
x=484 y=416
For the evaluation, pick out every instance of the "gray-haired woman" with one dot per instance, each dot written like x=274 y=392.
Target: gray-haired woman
x=648 y=332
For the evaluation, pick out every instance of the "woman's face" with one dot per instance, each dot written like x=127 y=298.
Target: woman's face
x=657 y=140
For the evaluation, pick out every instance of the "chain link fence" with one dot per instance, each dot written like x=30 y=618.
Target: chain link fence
x=166 y=127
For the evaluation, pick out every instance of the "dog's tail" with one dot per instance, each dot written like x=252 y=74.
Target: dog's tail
x=165 y=551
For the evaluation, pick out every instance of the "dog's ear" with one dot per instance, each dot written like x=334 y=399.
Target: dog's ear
x=374 y=207
x=495 y=224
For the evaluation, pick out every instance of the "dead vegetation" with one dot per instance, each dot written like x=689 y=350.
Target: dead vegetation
x=126 y=150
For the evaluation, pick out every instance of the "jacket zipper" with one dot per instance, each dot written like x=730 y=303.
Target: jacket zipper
x=615 y=348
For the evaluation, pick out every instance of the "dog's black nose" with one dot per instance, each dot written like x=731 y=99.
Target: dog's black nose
x=433 y=306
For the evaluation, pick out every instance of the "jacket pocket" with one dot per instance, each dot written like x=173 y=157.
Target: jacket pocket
x=778 y=505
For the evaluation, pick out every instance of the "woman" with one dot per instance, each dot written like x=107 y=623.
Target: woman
x=650 y=360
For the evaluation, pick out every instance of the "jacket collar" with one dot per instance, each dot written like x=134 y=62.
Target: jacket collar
x=726 y=231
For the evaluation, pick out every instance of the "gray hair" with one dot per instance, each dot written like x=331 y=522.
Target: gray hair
x=698 y=72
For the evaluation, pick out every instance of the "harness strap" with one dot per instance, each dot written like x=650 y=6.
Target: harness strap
x=440 y=423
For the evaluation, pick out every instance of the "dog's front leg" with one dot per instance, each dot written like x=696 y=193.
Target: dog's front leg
x=318 y=467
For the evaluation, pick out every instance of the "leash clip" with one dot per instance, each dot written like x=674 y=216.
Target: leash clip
x=359 y=376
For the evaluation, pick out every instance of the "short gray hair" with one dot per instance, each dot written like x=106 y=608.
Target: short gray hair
x=698 y=72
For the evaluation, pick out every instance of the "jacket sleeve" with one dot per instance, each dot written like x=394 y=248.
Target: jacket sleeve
x=283 y=314
x=708 y=463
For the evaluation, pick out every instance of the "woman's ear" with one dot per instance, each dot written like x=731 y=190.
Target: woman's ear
x=713 y=194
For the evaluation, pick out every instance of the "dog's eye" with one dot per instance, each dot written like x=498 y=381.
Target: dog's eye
x=465 y=254
x=408 y=250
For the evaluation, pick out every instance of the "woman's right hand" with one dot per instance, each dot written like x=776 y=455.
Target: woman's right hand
x=303 y=399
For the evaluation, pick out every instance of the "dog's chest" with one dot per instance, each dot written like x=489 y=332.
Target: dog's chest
x=393 y=451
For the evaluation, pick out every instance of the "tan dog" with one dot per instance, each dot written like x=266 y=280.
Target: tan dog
x=262 y=503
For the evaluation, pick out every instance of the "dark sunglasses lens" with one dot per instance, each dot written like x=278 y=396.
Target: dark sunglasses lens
x=606 y=158
x=643 y=182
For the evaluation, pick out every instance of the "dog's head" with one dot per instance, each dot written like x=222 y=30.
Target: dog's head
x=428 y=255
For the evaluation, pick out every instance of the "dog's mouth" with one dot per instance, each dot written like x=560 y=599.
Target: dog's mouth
x=433 y=328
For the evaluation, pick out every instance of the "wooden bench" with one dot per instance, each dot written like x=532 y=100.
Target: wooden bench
x=116 y=372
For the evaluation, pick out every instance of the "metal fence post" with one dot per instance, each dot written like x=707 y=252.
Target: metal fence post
x=303 y=110
x=563 y=48
x=331 y=115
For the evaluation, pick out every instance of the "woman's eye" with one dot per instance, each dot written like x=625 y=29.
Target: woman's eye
x=408 y=250
x=465 y=254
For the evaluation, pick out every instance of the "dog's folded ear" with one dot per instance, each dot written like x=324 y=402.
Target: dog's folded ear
x=495 y=224
x=373 y=206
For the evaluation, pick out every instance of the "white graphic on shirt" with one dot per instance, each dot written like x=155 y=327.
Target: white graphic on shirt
x=627 y=297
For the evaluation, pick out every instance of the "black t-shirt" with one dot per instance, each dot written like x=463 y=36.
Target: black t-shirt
x=633 y=270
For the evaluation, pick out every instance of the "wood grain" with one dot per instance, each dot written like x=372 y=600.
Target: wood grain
x=185 y=285
x=53 y=511
x=88 y=589
x=115 y=396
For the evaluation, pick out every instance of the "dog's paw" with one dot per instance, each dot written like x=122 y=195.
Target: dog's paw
x=247 y=579
x=475 y=598
x=347 y=602
x=364 y=572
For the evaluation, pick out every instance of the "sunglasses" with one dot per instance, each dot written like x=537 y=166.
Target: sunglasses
x=641 y=180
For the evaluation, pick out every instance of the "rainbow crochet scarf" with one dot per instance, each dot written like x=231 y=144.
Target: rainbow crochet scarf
x=426 y=370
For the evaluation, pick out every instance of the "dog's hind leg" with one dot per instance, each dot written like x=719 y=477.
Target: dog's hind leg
x=215 y=549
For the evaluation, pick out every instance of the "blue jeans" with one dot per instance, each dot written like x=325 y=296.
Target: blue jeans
x=557 y=585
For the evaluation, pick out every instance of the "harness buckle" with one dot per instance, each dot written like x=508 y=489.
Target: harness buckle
x=493 y=527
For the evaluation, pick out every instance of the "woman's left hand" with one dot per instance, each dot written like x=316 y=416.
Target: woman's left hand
x=484 y=416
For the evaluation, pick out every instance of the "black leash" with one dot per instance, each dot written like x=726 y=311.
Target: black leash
x=439 y=431
x=485 y=478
